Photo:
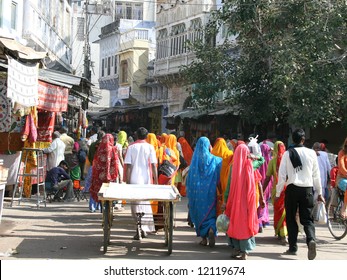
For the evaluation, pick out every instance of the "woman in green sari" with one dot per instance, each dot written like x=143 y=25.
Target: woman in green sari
x=280 y=225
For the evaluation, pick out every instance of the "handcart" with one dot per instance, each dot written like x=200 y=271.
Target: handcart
x=167 y=194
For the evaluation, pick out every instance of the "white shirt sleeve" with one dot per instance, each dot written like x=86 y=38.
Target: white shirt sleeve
x=282 y=174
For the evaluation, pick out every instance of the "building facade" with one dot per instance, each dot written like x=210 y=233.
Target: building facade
x=177 y=23
x=47 y=27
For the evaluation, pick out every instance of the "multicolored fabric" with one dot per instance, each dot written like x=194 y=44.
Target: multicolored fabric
x=202 y=180
x=280 y=225
x=241 y=205
x=105 y=164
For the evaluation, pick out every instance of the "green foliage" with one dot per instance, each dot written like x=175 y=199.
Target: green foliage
x=289 y=64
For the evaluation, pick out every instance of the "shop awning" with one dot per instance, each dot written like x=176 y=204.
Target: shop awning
x=20 y=50
x=108 y=111
x=188 y=113
x=79 y=86
x=223 y=112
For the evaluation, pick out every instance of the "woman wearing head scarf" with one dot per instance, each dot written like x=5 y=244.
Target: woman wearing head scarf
x=220 y=149
x=241 y=205
x=264 y=216
x=123 y=140
x=272 y=173
x=152 y=139
x=168 y=151
x=186 y=149
x=105 y=165
x=202 y=181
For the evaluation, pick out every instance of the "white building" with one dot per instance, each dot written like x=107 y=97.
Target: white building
x=11 y=19
x=128 y=42
x=177 y=23
x=47 y=27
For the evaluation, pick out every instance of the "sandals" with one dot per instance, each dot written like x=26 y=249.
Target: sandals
x=203 y=242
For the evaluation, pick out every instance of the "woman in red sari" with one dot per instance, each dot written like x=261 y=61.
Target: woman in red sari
x=105 y=165
x=279 y=211
x=241 y=205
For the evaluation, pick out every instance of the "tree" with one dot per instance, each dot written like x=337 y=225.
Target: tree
x=291 y=64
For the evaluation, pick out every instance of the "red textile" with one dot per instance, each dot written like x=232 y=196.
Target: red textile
x=186 y=149
x=105 y=165
x=45 y=127
x=241 y=205
x=52 y=98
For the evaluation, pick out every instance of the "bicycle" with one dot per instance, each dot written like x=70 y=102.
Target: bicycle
x=337 y=225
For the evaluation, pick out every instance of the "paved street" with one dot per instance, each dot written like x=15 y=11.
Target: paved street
x=70 y=231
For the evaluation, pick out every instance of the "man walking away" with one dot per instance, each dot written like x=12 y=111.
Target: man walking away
x=141 y=168
x=299 y=170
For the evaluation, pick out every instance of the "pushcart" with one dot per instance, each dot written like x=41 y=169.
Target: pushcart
x=167 y=194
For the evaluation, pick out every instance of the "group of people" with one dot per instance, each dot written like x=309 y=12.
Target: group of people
x=232 y=177
x=239 y=179
x=63 y=165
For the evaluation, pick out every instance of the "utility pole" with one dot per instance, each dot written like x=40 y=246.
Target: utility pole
x=86 y=72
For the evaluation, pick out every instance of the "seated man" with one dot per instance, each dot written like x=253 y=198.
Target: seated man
x=57 y=178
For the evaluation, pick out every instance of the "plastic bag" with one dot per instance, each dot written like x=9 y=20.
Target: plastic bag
x=222 y=223
x=254 y=146
x=319 y=213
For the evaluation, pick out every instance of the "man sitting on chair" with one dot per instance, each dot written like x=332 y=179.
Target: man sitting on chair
x=57 y=178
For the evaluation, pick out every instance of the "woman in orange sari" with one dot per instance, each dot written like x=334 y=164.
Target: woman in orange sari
x=220 y=149
x=152 y=139
x=168 y=151
x=279 y=210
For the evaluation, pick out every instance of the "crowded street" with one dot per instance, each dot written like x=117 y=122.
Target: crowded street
x=70 y=231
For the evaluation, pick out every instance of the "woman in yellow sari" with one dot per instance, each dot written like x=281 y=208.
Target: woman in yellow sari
x=220 y=149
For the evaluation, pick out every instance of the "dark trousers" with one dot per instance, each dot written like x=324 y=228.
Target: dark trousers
x=299 y=198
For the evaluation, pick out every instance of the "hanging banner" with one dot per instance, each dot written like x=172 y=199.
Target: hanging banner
x=45 y=127
x=52 y=98
x=22 y=83
x=5 y=108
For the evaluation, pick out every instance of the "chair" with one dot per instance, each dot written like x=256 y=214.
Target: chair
x=79 y=191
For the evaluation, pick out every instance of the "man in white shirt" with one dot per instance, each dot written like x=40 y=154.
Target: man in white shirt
x=324 y=168
x=141 y=168
x=55 y=151
x=93 y=135
x=299 y=171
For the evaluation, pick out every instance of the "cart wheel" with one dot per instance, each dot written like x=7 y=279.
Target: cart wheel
x=106 y=224
x=168 y=226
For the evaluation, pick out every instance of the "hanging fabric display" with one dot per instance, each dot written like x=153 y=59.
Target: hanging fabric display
x=52 y=98
x=45 y=127
x=5 y=108
x=22 y=83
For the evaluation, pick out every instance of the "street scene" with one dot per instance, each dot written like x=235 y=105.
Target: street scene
x=70 y=231
x=209 y=134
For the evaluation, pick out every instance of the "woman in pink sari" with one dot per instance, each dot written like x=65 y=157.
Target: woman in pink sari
x=264 y=219
x=241 y=206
